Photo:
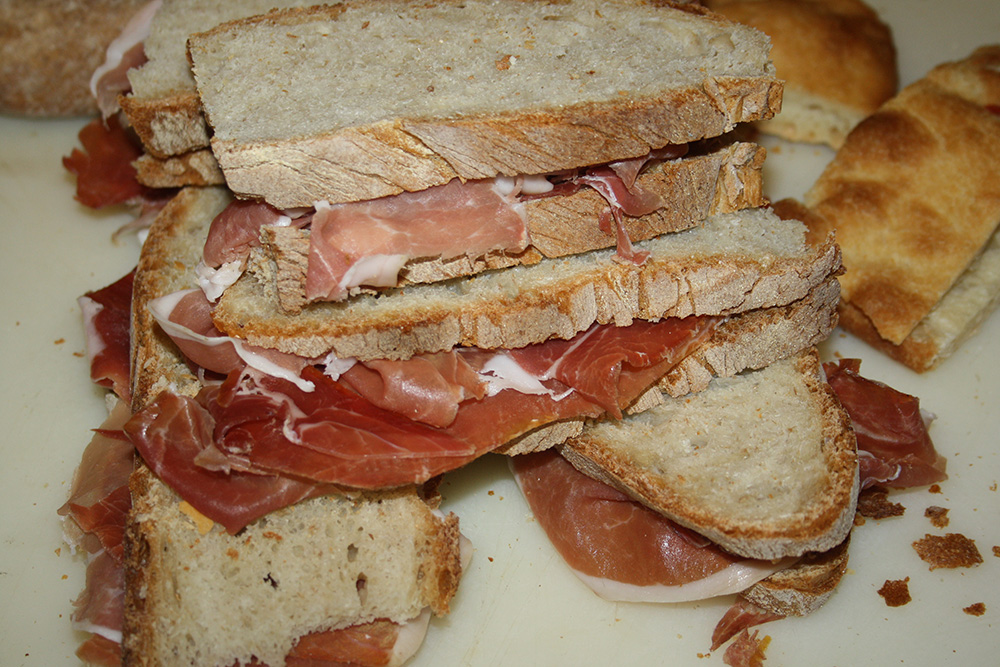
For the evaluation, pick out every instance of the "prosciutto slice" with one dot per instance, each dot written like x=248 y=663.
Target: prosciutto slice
x=125 y=52
x=106 y=315
x=366 y=243
x=620 y=548
x=103 y=169
x=256 y=427
x=99 y=498
x=738 y=618
x=100 y=608
x=894 y=445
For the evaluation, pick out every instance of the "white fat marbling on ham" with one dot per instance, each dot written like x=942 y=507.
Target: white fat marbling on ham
x=735 y=578
x=93 y=341
x=215 y=352
x=215 y=281
x=501 y=371
x=124 y=52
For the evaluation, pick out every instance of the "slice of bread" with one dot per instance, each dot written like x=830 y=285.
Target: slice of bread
x=915 y=202
x=163 y=105
x=204 y=596
x=475 y=89
x=836 y=58
x=731 y=263
x=763 y=464
x=804 y=587
x=721 y=180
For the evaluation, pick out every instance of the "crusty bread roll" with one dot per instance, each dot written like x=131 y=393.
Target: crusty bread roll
x=50 y=48
x=915 y=201
x=836 y=57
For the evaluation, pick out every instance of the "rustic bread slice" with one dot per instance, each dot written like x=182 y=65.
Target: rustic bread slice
x=163 y=105
x=763 y=464
x=196 y=594
x=475 y=89
x=836 y=58
x=721 y=180
x=732 y=263
x=197 y=167
x=915 y=202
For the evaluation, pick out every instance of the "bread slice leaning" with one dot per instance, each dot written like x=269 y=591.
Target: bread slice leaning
x=731 y=263
x=196 y=594
x=763 y=464
x=474 y=89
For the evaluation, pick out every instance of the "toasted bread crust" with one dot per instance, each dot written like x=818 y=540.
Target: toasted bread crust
x=820 y=521
x=804 y=587
x=198 y=167
x=836 y=57
x=505 y=314
x=913 y=193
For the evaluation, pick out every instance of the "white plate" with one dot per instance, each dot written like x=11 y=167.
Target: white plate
x=518 y=605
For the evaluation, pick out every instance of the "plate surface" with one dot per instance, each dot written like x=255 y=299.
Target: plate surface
x=518 y=604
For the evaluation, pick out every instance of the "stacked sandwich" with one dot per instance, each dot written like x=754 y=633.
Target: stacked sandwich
x=449 y=230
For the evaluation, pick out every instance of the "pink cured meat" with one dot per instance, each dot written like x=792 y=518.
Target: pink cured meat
x=588 y=522
x=107 y=321
x=172 y=432
x=271 y=427
x=100 y=608
x=894 y=446
x=99 y=499
x=449 y=220
x=742 y=615
x=236 y=230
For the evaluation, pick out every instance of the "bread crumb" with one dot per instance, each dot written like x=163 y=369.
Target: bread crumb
x=895 y=592
x=59 y=341
x=504 y=63
x=937 y=515
x=950 y=551
x=977 y=609
x=874 y=504
x=996 y=551
x=934 y=488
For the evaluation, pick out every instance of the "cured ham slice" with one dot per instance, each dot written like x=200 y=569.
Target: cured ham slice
x=236 y=230
x=172 y=432
x=106 y=315
x=746 y=651
x=103 y=169
x=260 y=430
x=588 y=523
x=100 y=608
x=100 y=651
x=894 y=446
x=125 y=52
x=366 y=243
x=99 y=498
x=738 y=618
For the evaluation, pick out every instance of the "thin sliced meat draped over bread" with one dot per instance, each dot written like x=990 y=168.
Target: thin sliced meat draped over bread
x=322 y=564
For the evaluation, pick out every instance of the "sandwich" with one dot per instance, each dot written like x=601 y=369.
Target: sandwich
x=912 y=196
x=246 y=386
